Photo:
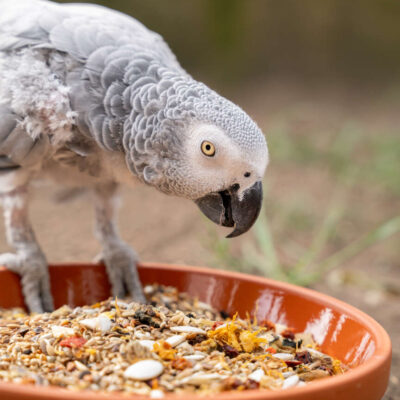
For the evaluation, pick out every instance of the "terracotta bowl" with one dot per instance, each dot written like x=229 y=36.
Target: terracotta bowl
x=341 y=330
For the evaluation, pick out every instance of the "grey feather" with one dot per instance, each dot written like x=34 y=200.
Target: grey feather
x=8 y=122
x=125 y=85
x=15 y=144
x=19 y=149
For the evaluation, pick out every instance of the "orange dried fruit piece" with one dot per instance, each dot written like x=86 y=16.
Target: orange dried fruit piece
x=269 y=325
x=250 y=341
x=181 y=363
x=164 y=350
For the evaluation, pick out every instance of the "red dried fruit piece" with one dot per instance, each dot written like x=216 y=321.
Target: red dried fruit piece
x=293 y=363
x=288 y=333
x=267 y=324
x=149 y=383
x=230 y=351
x=304 y=357
x=216 y=325
x=74 y=342
x=231 y=383
x=196 y=338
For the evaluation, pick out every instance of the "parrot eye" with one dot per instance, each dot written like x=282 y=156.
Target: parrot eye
x=207 y=148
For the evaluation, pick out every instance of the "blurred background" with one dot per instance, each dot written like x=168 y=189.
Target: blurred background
x=322 y=79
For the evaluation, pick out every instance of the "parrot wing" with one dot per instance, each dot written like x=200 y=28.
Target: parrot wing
x=90 y=48
x=76 y=29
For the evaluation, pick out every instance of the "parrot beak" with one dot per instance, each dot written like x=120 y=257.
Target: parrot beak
x=226 y=209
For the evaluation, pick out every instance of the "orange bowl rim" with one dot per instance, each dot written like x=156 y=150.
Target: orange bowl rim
x=377 y=360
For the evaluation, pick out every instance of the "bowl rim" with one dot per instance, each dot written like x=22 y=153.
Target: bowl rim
x=378 y=359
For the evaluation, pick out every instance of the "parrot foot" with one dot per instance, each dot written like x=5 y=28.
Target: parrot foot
x=31 y=265
x=120 y=261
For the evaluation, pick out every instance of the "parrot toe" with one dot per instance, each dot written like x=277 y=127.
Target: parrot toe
x=32 y=267
x=120 y=261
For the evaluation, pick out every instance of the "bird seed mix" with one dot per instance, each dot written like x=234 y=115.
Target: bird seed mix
x=173 y=344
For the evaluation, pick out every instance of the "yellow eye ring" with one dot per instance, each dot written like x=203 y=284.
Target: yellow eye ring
x=207 y=148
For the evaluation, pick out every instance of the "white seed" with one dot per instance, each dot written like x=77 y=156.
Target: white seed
x=165 y=299
x=101 y=323
x=59 y=331
x=218 y=366
x=148 y=289
x=175 y=340
x=268 y=336
x=284 y=356
x=287 y=374
x=80 y=366
x=315 y=352
x=187 y=329
x=42 y=344
x=290 y=382
x=198 y=378
x=104 y=323
x=156 y=394
x=46 y=336
x=256 y=375
x=46 y=346
x=89 y=311
x=62 y=311
x=89 y=323
x=144 y=370
x=141 y=335
x=194 y=357
x=186 y=348
x=50 y=349
x=149 y=344
x=197 y=367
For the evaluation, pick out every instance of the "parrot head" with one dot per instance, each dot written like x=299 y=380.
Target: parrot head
x=210 y=151
x=226 y=173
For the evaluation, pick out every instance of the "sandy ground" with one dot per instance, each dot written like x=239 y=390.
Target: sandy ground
x=167 y=229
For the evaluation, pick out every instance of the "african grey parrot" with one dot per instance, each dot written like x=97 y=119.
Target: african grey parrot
x=91 y=97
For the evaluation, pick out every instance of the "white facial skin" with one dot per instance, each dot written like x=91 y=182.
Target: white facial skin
x=228 y=166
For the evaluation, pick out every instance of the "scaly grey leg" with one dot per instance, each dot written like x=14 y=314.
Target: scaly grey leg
x=28 y=260
x=119 y=258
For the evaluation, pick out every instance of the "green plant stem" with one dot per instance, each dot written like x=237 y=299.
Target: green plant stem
x=382 y=232
x=320 y=239
x=270 y=264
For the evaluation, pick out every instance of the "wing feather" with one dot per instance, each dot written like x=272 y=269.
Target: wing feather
x=17 y=148
x=77 y=29
x=100 y=42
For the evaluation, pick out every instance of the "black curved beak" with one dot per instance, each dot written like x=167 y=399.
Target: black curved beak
x=226 y=209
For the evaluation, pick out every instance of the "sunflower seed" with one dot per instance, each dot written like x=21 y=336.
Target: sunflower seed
x=144 y=370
